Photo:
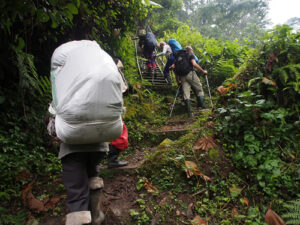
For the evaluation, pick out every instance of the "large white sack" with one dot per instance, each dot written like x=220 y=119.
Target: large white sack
x=86 y=92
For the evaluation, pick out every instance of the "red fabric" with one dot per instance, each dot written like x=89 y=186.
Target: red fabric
x=122 y=141
x=149 y=65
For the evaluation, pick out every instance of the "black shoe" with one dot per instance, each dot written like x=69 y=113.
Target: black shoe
x=117 y=163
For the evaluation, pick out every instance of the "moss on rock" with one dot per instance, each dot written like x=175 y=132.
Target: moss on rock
x=163 y=156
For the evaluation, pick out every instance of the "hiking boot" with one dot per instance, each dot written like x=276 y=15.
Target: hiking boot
x=188 y=107
x=78 y=218
x=96 y=213
x=117 y=163
x=113 y=156
x=200 y=102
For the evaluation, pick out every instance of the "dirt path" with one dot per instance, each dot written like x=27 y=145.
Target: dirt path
x=120 y=193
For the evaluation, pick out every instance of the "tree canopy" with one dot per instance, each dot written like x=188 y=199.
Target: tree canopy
x=225 y=19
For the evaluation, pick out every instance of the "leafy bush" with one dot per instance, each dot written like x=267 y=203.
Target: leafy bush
x=222 y=70
x=259 y=122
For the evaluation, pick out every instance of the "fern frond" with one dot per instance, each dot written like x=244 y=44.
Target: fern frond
x=45 y=87
x=293 y=212
x=223 y=70
x=27 y=71
x=29 y=79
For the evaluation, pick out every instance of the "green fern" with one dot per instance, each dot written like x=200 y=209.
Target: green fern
x=45 y=87
x=223 y=70
x=293 y=214
x=27 y=72
x=287 y=74
x=28 y=77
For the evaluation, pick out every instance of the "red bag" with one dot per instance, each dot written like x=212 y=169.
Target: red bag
x=122 y=141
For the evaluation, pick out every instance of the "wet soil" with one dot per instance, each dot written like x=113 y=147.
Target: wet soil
x=120 y=194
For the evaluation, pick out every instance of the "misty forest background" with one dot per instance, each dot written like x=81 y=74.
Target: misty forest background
x=256 y=120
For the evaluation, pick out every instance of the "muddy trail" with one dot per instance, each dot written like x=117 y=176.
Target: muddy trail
x=119 y=195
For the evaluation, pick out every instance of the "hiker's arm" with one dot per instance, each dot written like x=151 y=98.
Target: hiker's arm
x=198 y=67
x=172 y=67
x=163 y=52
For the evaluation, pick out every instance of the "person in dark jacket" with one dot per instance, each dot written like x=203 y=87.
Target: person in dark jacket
x=148 y=46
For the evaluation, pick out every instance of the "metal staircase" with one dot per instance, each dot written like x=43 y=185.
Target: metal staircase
x=155 y=77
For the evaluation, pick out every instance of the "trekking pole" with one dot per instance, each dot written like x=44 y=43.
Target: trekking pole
x=175 y=100
x=209 y=91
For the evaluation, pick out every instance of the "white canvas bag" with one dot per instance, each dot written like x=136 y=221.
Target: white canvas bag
x=86 y=92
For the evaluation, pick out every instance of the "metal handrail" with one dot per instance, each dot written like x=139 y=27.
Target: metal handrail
x=137 y=59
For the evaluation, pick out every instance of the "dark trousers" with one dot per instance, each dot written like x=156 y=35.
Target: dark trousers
x=149 y=55
x=169 y=63
x=113 y=153
x=77 y=169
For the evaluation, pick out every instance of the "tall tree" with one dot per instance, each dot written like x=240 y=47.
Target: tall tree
x=229 y=19
x=294 y=23
x=165 y=18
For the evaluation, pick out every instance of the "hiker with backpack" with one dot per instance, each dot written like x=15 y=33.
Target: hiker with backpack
x=184 y=69
x=175 y=45
x=87 y=103
x=167 y=51
x=148 y=47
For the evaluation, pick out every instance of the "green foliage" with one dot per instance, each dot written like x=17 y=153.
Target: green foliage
x=23 y=148
x=8 y=219
x=45 y=88
x=140 y=218
x=259 y=121
x=161 y=159
x=222 y=71
x=165 y=19
x=293 y=214
x=125 y=50
x=27 y=71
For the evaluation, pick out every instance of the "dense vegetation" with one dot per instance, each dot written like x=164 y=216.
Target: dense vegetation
x=254 y=127
x=267 y=98
x=30 y=31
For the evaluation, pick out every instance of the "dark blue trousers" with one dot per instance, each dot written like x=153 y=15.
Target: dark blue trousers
x=169 y=63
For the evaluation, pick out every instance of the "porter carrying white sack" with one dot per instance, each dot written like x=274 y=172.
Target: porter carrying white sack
x=86 y=91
